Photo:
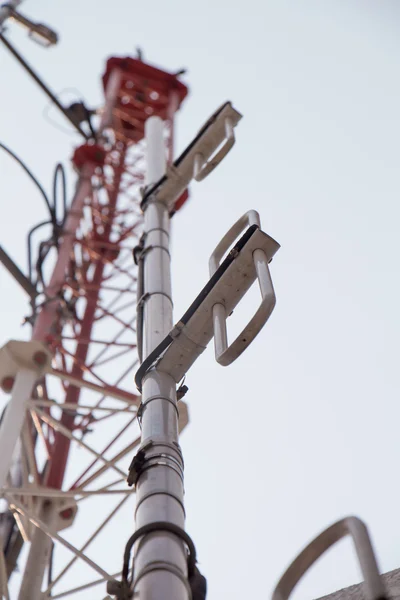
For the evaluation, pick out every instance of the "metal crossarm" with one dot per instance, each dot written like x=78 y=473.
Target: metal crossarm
x=206 y=317
x=199 y=159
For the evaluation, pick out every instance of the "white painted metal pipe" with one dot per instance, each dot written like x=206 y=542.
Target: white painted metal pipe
x=264 y=276
x=13 y=419
x=220 y=333
x=156 y=157
x=160 y=558
x=33 y=573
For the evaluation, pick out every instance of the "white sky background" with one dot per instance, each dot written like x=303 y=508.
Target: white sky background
x=303 y=429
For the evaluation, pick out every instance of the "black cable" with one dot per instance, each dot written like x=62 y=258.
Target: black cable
x=150 y=359
x=42 y=85
x=167 y=341
x=138 y=258
x=89 y=121
x=44 y=249
x=56 y=221
x=140 y=312
x=159 y=526
x=29 y=243
x=31 y=175
x=198 y=585
x=50 y=569
x=59 y=170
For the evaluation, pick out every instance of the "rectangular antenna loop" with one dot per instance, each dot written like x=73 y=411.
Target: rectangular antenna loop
x=214 y=161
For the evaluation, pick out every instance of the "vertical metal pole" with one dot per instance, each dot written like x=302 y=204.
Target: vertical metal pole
x=10 y=431
x=160 y=570
x=38 y=559
x=14 y=418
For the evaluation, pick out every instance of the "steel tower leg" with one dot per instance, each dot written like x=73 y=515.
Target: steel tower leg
x=160 y=570
x=38 y=558
x=13 y=419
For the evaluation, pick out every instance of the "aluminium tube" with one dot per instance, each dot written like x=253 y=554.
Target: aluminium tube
x=160 y=557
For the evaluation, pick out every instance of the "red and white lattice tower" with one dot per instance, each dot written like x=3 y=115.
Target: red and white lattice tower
x=70 y=463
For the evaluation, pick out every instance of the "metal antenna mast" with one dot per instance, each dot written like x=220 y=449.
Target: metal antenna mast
x=164 y=564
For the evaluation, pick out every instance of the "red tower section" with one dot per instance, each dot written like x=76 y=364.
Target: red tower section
x=142 y=91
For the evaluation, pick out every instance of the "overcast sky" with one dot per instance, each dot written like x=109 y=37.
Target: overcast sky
x=303 y=429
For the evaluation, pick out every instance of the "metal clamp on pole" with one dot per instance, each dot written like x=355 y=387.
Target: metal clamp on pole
x=374 y=588
x=200 y=158
x=21 y=365
x=225 y=354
